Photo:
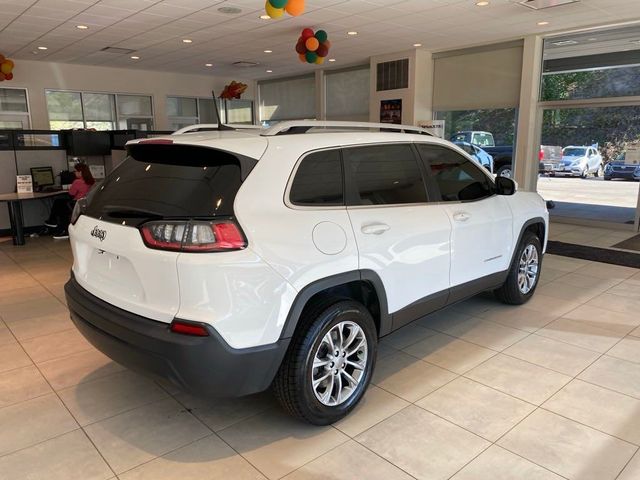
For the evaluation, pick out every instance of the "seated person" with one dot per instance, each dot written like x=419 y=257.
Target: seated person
x=63 y=205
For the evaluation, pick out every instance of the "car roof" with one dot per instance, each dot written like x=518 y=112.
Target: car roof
x=252 y=144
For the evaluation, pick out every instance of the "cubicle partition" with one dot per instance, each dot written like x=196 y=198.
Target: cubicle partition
x=20 y=150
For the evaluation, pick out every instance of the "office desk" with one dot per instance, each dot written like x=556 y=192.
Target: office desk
x=14 y=203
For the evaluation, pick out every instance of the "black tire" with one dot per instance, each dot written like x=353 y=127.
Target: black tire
x=504 y=168
x=510 y=292
x=293 y=385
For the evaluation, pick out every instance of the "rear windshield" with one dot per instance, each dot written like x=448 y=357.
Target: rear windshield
x=168 y=181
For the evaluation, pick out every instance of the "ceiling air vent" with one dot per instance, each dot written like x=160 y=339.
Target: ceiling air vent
x=118 y=50
x=542 y=4
x=245 y=64
x=392 y=75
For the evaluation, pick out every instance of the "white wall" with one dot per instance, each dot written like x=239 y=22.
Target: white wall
x=36 y=77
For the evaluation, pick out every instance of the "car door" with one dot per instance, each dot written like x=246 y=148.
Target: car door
x=400 y=236
x=481 y=238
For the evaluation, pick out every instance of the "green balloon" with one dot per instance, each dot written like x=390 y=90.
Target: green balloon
x=311 y=57
x=278 y=3
x=321 y=36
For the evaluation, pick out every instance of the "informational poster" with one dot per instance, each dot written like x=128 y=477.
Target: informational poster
x=24 y=184
x=97 y=171
x=436 y=127
x=391 y=111
x=632 y=155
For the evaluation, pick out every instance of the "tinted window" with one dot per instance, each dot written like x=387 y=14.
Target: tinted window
x=168 y=181
x=318 y=180
x=384 y=174
x=457 y=178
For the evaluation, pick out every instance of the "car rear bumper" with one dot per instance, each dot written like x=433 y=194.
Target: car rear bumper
x=201 y=365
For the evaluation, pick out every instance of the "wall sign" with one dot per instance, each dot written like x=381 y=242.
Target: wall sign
x=391 y=111
x=436 y=127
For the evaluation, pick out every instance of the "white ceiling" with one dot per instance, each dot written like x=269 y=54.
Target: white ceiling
x=155 y=29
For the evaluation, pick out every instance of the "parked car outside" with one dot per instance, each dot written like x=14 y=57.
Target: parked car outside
x=549 y=157
x=618 y=168
x=478 y=154
x=579 y=161
x=230 y=261
x=502 y=155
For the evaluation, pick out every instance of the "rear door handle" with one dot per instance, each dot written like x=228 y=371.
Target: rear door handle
x=374 y=228
x=461 y=216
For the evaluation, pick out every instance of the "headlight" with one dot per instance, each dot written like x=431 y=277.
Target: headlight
x=608 y=167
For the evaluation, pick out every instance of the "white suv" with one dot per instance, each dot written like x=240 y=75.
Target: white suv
x=229 y=261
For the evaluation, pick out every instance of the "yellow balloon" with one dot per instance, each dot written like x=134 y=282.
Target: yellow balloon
x=272 y=11
x=320 y=60
x=6 y=67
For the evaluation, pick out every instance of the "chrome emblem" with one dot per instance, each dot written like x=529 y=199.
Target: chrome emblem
x=99 y=233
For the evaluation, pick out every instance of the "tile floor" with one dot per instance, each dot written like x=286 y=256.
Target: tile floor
x=590 y=236
x=481 y=390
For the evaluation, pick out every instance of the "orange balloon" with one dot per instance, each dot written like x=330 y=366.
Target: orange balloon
x=302 y=57
x=6 y=66
x=312 y=44
x=295 y=7
x=327 y=44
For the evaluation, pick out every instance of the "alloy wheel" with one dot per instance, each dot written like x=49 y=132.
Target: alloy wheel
x=339 y=363
x=528 y=269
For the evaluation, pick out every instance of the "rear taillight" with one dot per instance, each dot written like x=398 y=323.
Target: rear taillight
x=193 y=236
x=187 y=328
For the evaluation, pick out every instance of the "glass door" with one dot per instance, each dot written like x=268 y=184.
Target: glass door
x=590 y=162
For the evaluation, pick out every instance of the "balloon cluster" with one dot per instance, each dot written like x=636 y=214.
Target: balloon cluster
x=6 y=68
x=276 y=8
x=233 y=90
x=313 y=47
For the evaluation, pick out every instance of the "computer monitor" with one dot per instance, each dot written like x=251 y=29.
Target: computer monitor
x=42 y=177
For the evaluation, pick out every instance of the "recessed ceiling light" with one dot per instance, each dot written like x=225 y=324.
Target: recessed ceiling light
x=417 y=44
x=543 y=23
x=265 y=17
x=352 y=33
x=332 y=59
x=135 y=57
x=81 y=27
x=42 y=48
x=482 y=4
x=269 y=71
x=187 y=40
x=268 y=51
x=208 y=64
x=230 y=10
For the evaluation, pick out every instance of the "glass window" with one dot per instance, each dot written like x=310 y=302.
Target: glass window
x=135 y=112
x=65 y=109
x=207 y=111
x=384 y=174
x=318 y=180
x=457 y=178
x=13 y=100
x=239 y=111
x=99 y=110
x=348 y=94
x=182 y=107
x=288 y=99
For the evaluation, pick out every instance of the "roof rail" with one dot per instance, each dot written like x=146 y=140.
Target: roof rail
x=291 y=127
x=213 y=126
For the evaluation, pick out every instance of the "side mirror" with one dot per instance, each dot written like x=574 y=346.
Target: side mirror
x=505 y=186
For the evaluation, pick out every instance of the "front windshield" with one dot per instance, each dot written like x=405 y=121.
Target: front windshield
x=574 y=152
x=483 y=139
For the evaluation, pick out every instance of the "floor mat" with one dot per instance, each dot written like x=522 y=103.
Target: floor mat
x=632 y=243
x=595 y=254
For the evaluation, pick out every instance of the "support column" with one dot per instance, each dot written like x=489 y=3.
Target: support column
x=416 y=98
x=529 y=117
